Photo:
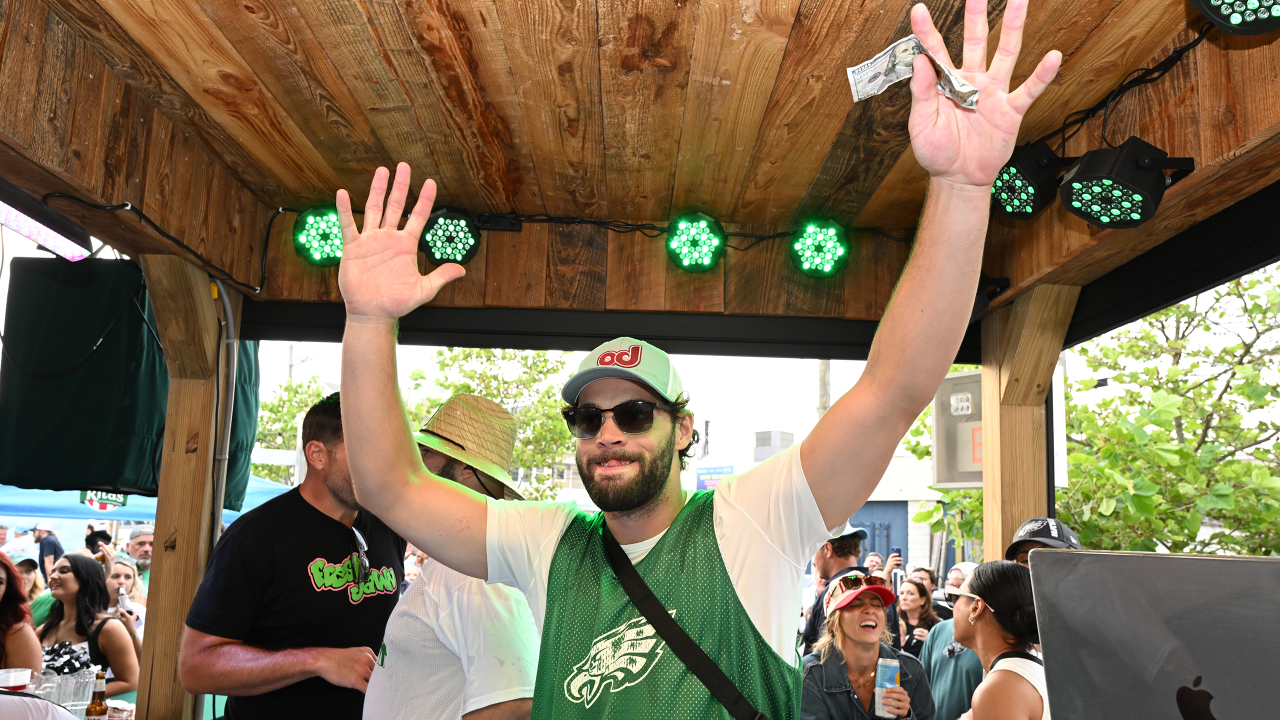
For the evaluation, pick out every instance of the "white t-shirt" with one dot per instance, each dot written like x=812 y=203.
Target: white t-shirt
x=452 y=645
x=767 y=526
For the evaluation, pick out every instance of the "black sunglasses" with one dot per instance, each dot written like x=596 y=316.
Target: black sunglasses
x=363 y=569
x=632 y=417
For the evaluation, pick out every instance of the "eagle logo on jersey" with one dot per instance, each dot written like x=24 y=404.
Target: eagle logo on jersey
x=619 y=659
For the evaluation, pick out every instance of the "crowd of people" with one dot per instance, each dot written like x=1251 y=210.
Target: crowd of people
x=665 y=603
x=51 y=598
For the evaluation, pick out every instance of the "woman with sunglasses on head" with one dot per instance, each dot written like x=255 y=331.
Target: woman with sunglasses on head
x=995 y=616
x=80 y=617
x=840 y=676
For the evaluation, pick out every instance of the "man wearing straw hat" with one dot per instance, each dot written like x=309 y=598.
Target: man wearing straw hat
x=457 y=647
x=724 y=567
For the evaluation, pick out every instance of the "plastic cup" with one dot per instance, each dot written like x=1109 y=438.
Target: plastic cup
x=15 y=679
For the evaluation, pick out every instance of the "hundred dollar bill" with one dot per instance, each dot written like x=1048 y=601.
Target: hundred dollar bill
x=893 y=64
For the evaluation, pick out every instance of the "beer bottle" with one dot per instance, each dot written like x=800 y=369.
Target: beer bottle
x=97 y=709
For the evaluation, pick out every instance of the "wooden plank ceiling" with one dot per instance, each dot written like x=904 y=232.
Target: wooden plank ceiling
x=625 y=109
x=210 y=114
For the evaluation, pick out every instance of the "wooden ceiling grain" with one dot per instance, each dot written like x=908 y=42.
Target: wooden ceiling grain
x=627 y=109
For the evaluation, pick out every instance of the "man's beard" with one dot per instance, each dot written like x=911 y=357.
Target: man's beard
x=617 y=496
x=342 y=490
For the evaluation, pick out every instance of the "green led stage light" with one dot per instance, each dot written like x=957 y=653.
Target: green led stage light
x=317 y=238
x=695 y=242
x=1027 y=183
x=1122 y=186
x=1241 y=17
x=451 y=236
x=820 y=249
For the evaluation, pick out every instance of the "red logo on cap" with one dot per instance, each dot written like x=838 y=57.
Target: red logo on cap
x=628 y=358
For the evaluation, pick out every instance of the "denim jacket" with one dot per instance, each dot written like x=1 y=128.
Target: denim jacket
x=828 y=694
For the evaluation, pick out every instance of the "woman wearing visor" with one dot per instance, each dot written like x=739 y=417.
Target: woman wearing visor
x=995 y=617
x=840 y=676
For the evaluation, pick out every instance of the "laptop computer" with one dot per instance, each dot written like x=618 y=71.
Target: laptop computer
x=1128 y=636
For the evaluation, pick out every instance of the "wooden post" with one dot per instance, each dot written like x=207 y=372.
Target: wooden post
x=1020 y=346
x=187 y=323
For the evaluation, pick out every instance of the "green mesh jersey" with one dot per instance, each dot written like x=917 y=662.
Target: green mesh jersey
x=601 y=659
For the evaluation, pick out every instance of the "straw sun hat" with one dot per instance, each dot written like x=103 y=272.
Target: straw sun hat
x=474 y=431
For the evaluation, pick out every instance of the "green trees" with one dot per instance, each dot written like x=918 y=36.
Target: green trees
x=278 y=420
x=1177 y=449
x=1182 y=453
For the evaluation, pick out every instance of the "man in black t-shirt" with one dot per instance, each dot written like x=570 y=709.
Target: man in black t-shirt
x=291 y=612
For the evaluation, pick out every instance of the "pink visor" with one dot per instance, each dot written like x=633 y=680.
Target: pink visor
x=845 y=589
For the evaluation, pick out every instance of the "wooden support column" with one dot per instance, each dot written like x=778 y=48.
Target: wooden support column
x=1020 y=346
x=187 y=323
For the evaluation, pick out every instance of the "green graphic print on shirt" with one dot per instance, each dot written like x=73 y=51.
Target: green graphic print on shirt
x=601 y=659
x=328 y=576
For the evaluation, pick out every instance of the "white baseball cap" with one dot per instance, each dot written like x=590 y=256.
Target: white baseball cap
x=629 y=359
x=44 y=525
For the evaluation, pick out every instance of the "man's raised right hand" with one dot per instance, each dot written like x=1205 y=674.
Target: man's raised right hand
x=345 y=667
x=378 y=274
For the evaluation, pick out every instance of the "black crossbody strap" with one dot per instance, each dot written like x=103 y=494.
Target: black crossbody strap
x=1017 y=654
x=689 y=652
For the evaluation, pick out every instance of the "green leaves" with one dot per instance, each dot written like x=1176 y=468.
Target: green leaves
x=1179 y=451
x=278 y=420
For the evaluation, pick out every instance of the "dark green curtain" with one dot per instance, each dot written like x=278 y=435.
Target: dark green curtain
x=72 y=419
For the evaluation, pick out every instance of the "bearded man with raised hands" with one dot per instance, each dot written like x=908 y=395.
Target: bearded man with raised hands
x=726 y=564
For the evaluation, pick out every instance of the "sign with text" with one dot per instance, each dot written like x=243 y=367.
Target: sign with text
x=99 y=500
x=710 y=477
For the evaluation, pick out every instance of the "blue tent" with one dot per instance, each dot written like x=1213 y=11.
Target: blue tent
x=66 y=503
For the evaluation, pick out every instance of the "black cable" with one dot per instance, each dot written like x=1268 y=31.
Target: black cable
x=266 y=243
x=212 y=268
x=653 y=231
x=1075 y=121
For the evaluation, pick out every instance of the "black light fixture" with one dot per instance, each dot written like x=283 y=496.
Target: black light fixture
x=1121 y=186
x=1241 y=17
x=1028 y=182
x=451 y=236
x=41 y=224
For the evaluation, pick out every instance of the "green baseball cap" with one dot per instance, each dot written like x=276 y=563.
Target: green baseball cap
x=629 y=359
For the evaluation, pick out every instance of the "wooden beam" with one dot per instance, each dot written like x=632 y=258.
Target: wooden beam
x=1020 y=347
x=1096 y=57
x=737 y=52
x=554 y=49
x=645 y=52
x=130 y=61
x=1037 y=325
x=94 y=137
x=186 y=320
x=187 y=323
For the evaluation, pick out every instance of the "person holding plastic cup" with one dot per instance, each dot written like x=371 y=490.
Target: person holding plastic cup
x=840 y=677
